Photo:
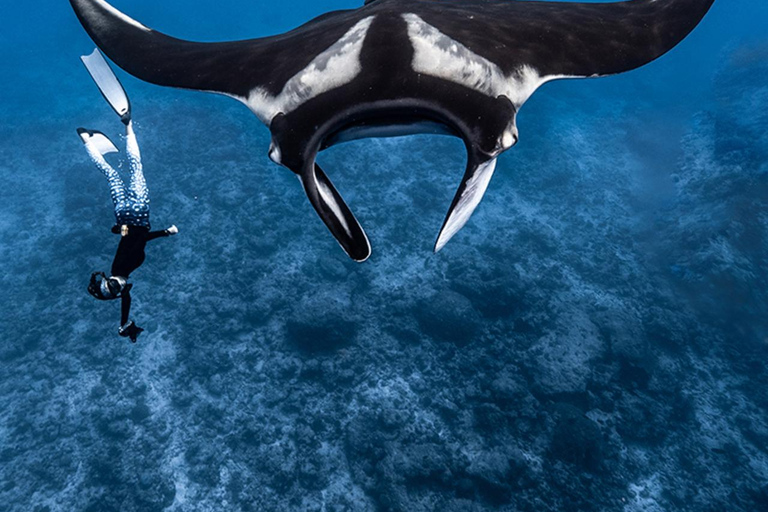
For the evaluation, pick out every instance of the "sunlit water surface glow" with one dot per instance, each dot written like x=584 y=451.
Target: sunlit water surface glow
x=594 y=339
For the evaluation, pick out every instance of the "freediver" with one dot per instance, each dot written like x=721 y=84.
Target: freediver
x=131 y=203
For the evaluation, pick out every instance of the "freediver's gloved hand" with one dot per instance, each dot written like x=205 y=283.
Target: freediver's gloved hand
x=172 y=230
x=130 y=330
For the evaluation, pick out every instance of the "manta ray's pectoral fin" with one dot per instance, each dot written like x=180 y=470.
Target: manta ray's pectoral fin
x=335 y=213
x=468 y=196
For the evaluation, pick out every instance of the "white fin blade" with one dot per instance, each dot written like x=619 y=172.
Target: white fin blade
x=102 y=144
x=473 y=190
x=107 y=83
x=97 y=141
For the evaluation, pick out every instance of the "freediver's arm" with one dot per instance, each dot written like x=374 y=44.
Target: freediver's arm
x=128 y=329
x=166 y=232
x=125 y=305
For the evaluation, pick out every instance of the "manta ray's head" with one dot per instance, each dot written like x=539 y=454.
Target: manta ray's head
x=485 y=124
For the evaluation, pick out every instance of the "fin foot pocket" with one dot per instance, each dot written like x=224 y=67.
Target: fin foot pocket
x=130 y=330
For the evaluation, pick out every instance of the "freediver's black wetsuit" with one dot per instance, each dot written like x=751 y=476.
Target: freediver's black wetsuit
x=129 y=256
x=130 y=252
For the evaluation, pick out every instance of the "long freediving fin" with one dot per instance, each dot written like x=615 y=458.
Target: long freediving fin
x=108 y=84
x=468 y=196
x=335 y=213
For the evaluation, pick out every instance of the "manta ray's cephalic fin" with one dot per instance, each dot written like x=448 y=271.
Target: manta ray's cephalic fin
x=335 y=213
x=468 y=196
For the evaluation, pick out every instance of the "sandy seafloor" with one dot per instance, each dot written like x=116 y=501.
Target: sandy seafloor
x=595 y=338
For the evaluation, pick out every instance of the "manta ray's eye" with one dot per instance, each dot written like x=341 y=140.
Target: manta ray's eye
x=509 y=138
x=274 y=153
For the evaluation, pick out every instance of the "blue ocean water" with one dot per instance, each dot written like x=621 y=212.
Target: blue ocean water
x=594 y=339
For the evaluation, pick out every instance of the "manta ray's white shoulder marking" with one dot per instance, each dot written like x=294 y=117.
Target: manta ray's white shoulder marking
x=122 y=16
x=438 y=55
x=334 y=67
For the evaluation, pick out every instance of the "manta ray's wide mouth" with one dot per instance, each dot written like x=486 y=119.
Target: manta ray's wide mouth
x=387 y=119
x=387 y=126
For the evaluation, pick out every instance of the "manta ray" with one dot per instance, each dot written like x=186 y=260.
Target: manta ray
x=399 y=67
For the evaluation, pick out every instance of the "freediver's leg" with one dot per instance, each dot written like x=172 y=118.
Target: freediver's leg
x=138 y=185
x=138 y=193
x=97 y=145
